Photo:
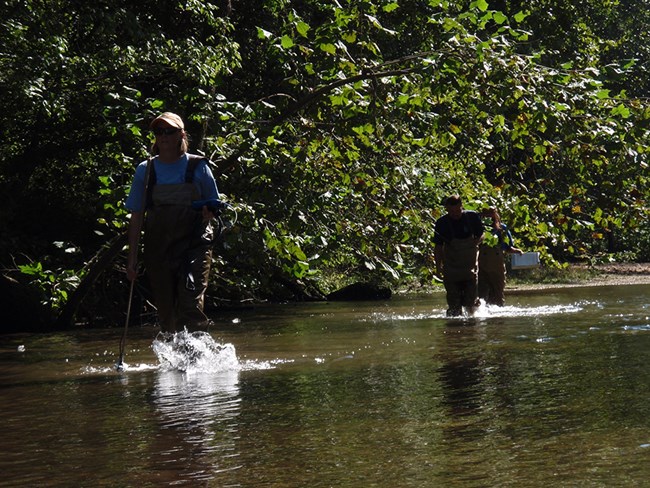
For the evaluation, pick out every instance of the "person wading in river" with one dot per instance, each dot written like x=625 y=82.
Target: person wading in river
x=457 y=238
x=491 y=260
x=177 y=238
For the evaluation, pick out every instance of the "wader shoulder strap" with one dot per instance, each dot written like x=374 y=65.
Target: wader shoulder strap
x=193 y=161
x=149 y=182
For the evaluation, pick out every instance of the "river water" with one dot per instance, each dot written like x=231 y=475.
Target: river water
x=551 y=390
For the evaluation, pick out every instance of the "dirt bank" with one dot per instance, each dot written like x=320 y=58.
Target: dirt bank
x=600 y=275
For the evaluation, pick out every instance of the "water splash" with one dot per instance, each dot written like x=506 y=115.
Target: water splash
x=488 y=311
x=120 y=368
x=636 y=328
x=483 y=312
x=194 y=352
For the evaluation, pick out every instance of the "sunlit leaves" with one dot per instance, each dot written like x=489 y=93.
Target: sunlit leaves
x=263 y=34
x=520 y=16
x=341 y=124
x=390 y=7
x=328 y=48
x=621 y=110
x=286 y=42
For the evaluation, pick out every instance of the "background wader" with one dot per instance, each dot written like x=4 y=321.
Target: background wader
x=177 y=254
x=492 y=275
x=460 y=264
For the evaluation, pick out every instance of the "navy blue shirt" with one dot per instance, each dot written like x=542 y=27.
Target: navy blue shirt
x=469 y=225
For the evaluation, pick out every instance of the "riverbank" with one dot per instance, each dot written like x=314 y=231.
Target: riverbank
x=611 y=274
x=578 y=275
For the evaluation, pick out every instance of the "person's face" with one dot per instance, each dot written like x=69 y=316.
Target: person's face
x=455 y=211
x=488 y=213
x=167 y=136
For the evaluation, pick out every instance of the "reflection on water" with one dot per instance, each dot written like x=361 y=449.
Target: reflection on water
x=196 y=425
x=551 y=389
x=460 y=372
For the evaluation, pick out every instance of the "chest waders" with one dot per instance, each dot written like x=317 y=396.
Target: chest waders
x=177 y=253
x=492 y=275
x=460 y=264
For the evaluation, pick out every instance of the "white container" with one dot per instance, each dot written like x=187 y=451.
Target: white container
x=525 y=261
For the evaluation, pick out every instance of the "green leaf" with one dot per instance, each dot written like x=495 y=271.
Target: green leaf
x=540 y=150
x=32 y=269
x=390 y=7
x=328 y=48
x=263 y=34
x=430 y=181
x=482 y=5
x=286 y=42
x=621 y=110
x=520 y=16
x=302 y=28
x=499 y=18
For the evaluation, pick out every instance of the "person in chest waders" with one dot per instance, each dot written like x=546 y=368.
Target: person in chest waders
x=491 y=260
x=458 y=235
x=177 y=238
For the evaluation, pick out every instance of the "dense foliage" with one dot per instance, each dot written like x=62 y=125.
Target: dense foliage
x=336 y=128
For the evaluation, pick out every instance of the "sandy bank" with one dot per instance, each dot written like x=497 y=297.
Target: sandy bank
x=606 y=275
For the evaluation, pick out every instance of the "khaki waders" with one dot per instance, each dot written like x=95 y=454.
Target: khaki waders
x=460 y=265
x=492 y=275
x=177 y=256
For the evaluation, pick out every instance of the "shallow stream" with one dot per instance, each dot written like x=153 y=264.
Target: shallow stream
x=551 y=390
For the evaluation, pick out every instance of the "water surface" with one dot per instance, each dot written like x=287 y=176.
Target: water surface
x=550 y=390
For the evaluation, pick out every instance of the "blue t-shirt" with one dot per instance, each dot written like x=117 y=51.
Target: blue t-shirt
x=171 y=174
x=504 y=236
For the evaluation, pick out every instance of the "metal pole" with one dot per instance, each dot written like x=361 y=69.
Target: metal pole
x=120 y=363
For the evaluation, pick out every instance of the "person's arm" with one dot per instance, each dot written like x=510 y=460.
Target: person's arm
x=439 y=238
x=136 y=203
x=208 y=183
x=510 y=248
x=209 y=190
x=437 y=256
x=479 y=229
x=513 y=250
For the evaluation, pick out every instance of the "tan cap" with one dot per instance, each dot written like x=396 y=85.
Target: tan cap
x=169 y=117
